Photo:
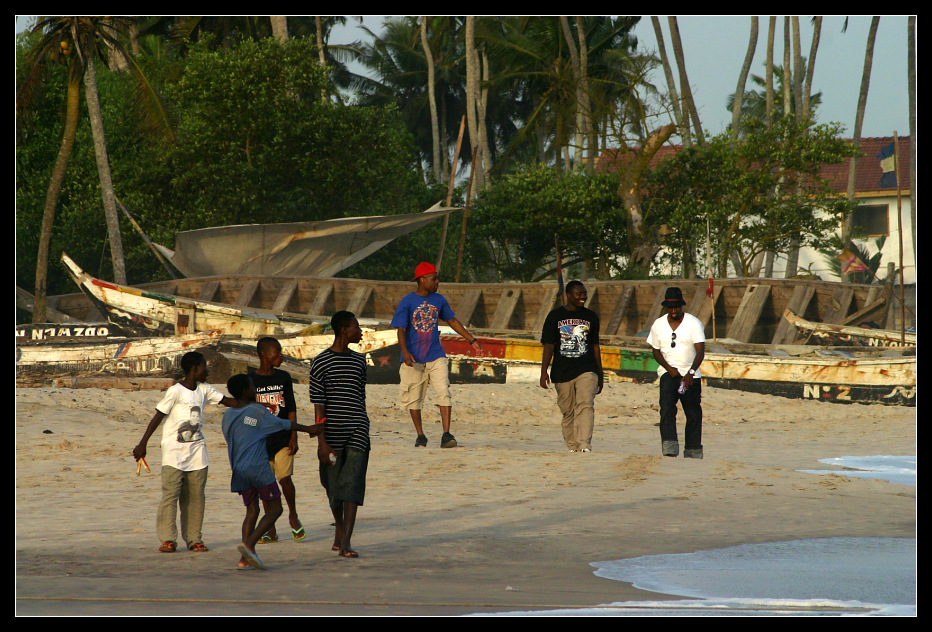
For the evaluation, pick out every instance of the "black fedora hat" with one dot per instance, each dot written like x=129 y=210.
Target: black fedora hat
x=673 y=297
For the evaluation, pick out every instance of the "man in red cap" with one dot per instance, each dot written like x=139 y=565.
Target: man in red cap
x=424 y=362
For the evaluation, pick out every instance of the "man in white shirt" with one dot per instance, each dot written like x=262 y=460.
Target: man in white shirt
x=678 y=343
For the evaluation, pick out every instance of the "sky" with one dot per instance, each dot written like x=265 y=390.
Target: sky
x=715 y=46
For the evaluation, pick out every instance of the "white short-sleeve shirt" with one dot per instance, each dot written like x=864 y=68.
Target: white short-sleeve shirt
x=183 y=444
x=681 y=355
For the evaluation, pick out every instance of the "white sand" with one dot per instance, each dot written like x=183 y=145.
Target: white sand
x=509 y=520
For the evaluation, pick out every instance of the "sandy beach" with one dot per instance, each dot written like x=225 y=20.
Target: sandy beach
x=507 y=521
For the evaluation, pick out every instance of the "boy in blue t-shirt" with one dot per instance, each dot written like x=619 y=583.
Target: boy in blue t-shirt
x=424 y=361
x=245 y=428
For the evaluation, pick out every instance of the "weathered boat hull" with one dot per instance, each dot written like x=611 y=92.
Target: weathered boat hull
x=841 y=334
x=747 y=310
x=147 y=313
x=128 y=357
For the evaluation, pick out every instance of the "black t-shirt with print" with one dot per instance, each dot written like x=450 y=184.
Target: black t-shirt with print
x=276 y=389
x=572 y=334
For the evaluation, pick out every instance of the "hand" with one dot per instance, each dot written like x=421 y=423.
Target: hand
x=139 y=452
x=479 y=346
x=688 y=380
x=673 y=372
x=601 y=384
x=323 y=453
x=293 y=445
x=544 y=380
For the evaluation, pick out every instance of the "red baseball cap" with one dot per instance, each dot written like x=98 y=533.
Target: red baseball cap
x=423 y=268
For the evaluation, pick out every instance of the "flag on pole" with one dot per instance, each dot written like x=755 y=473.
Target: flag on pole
x=888 y=166
x=710 y=291
x=850 y=262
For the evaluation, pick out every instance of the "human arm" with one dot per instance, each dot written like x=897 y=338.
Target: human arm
x=457 y=326
x=597 y=353
x=545 y=365
x=700 y=356
x=139 y=451
x=323 y=448
x=406 y=356
x=663 y=362
x=293 y=441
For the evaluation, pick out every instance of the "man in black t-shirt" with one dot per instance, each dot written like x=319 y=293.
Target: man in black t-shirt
x=274 y=386
x=571 y=342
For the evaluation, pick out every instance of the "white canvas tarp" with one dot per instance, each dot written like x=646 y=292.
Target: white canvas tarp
x=295 y=249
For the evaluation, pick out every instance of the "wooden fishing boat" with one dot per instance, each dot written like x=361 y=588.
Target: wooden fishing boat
x=842 y=334
x=746 y=310
x=86 y=355
x=143 y=312
x=829 y=374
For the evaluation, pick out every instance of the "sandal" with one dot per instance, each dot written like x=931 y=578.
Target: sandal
x=298 y=534
x=168 y=547
x=348 y=553
x=267 y=539
x=198 y=547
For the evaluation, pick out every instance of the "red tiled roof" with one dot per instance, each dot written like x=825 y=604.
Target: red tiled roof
x=867 y=177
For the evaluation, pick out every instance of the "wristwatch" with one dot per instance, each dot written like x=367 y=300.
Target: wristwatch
x=691 y=371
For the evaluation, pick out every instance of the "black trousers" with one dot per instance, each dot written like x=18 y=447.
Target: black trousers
x=692 y=407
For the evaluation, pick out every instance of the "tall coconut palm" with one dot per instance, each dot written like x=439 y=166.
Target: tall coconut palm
x=742 y=78
x=690 y=104
x=859 y=117
x=77 y=42
x=432 y=101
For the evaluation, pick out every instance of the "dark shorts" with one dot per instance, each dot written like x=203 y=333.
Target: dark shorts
x=345 y=481
x=267 y=493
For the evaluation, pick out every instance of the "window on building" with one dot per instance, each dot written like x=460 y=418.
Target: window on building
x=871 y=220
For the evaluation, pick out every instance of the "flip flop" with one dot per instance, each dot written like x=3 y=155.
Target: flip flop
x=267 y=539
x=251 y=557
x=245 y=568
x=298 y=534
x=348 y=553
x=168 y=547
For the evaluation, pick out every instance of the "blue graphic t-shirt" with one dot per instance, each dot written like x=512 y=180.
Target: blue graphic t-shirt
x=419 y=316
x=245 y=431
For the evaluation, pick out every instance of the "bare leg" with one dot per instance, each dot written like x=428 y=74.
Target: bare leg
x=445 y=415
x=416 y=418
x=345 y=518
x=288 y=491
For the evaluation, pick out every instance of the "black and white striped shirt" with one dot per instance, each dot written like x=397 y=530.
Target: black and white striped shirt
x=338 y=382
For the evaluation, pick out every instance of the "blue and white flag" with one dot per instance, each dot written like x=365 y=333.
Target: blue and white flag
x=888 y=166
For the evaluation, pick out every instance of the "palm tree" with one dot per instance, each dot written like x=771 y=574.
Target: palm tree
x=742 y=78
x=691 y=113
x=754 y=104
x=859 y=118
x=77 y=42
x=432 y=101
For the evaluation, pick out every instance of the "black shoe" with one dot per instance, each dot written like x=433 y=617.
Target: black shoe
x=447 y=440
x=421 y=442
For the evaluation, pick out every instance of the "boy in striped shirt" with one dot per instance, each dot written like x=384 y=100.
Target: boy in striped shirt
x=338 y=392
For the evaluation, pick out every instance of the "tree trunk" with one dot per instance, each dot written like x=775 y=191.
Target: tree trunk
x=591 y=142
x=787 y=70
x=51 y=198
x=434 y=122
x=797 y=70
x=810 y=68
x=643 y=244
x=689 y=102
x=279 y=27
x=678 y=107
x=742 y=79
x=320 y=51
x=472 y=92
x=574 y=58
x=768 y=81
x=103 y=171
x=859 y=118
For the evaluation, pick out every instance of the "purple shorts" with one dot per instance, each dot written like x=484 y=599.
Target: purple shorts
x=267 y=493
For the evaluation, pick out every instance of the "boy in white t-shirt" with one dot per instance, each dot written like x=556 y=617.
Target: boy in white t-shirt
x=184 y=453
x=678 y=343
